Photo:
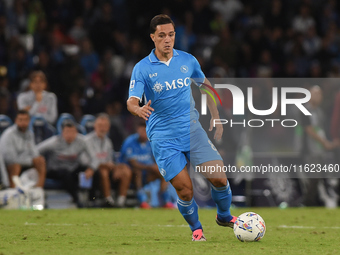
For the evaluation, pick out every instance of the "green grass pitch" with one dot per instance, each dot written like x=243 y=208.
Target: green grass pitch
x=158 y=231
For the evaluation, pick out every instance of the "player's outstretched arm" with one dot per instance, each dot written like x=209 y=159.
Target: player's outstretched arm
x=143 y=112
x=214 y=114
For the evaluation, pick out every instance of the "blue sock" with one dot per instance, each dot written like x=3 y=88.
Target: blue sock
x=189 y=210
x=141 y=195
x=222 y=197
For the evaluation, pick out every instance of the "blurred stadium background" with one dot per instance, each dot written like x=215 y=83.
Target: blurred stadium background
x=87 y=49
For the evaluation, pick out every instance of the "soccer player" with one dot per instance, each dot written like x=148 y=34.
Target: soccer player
x=175 y=134
x=101 y=157
x=38 y=101
x=136 y=151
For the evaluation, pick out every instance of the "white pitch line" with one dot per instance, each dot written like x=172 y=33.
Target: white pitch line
x=131 y=225
x=172 y=226
x=51 y=224
x=307 y=227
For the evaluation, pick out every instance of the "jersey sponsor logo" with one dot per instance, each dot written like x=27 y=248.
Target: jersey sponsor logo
x=158 y=87
x=162 y=171
x=153 y=75
x=179 y=83
x=184 y=69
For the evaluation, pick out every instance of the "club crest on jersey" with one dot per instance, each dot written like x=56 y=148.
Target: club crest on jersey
x=184 y=69
x=158 y=87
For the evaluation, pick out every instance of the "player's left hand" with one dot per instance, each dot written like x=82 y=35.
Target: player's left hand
x=219 y=129
x=89 y=173
x=111 y=165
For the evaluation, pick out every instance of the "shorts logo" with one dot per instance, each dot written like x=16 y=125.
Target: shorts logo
x=191 y=211
x=212 y=146
x=132 y=84
x=162 y=171
x=184 y=69
x=157 y=87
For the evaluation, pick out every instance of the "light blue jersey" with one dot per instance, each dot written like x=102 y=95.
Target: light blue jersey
x=167 y=85
x=133 y=149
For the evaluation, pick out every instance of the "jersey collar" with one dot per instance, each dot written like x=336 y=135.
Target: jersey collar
x=154 y=59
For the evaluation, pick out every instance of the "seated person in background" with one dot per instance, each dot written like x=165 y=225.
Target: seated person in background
x=19 y=151
x=37 y=101
x=63 y=157
x=136 y=151
x=101 y=154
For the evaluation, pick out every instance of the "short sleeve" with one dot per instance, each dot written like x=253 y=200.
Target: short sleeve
x=136 y=88
x=197 y=73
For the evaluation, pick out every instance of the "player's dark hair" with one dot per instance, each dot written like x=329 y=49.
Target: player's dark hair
x=23 y=112
x=160 y=19
x=103 y=115
x=68 y=123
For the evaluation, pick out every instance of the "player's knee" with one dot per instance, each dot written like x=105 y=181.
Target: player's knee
x=127 y=171
x=39 y=161
x=219 y=182
x=104 y=172
x=185 y=194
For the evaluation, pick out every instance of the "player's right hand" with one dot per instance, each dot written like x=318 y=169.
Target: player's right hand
x=145 y=111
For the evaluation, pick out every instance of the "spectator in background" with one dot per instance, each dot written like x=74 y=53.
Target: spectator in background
x=6 y=98
x=315 y=144
x=303 y=21
x=103 y=28
x=185 y=38
x=19 y=66
x=202 y=17
x=225 y=53
x=312 y=42
x=136 y=151
x=41 y=35
x=227 y=8
x=275 y=17
x=117 y=132
x=78 y=32
x=75 y=106
x=63 y=158
x=38 y=101
x=89 y=59
x=36 y=13
x=19 y=151
x=17 y=18
x=101 y=156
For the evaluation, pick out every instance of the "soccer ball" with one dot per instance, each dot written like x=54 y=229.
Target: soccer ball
x=249 y=227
